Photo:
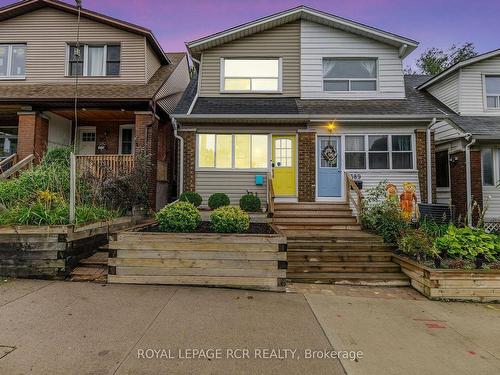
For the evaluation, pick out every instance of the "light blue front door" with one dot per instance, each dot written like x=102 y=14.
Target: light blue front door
x=328 y=167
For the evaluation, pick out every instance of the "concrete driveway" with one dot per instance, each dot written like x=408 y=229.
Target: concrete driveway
x=80 y=328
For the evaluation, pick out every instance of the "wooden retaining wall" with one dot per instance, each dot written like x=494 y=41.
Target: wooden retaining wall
x=227 y=260
x=452 y=284
x=52 y=251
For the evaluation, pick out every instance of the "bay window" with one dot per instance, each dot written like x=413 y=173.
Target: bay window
x=12 y=60
x=94 y=60
x=227 y=151
x=492 y=84
x=250 y=75
x=349 y=74
x=379 y=152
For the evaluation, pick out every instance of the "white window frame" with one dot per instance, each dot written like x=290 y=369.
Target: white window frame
x=120 y=137
x=85 y=47
x=389 y=150
x=496 y=166
x=222 y=76
x=485 y=94
x=10 y=47
x=233 y=164
x=376 y=79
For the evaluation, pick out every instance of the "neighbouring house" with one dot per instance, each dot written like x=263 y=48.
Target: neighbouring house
x=125 y=84
x=468 y=141
x=305 y=97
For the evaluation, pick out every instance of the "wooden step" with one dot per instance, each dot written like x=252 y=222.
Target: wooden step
x=337 y=247
x=304 y=235
x=352 y=267
x=319 y=227
x=98 y=259
x=311 y=206
x=313 y=213
x=382 y=278
x=343 y=220
x=345 y=256
x=90 y=274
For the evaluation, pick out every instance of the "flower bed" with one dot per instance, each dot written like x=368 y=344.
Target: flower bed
x=452 y=284
x=143 y=255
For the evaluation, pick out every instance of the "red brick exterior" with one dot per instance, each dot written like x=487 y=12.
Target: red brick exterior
x=33 y=134
x=421 y=149
x=189 y=157
x=307 y=166
x=110 y=136
x=458 y=172
x=142 y=121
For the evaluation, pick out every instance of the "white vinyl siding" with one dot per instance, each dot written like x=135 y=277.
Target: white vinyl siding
x=320 y=41
x=280 y=42
x=48 y=31
x=491 y=195
x=472 y=92
x=152 y=62
x=447 y=91
x=233 y=183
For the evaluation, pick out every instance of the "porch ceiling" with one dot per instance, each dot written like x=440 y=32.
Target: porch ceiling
x=93 y=116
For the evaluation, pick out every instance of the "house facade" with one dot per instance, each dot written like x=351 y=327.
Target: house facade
x=101 y=84
x=468 y=141
x=305 y=98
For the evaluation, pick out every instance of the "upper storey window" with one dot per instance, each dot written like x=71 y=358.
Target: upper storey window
x=349 y=74
x=251 y=75
x=12 y=60
x=94 y=60
x=492 y=91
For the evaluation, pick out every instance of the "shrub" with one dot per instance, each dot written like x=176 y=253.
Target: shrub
x=191 y=197
x=217 y=200
x=433 y=228
x=229 y=220
x=58 y=156
x=469 y=243
x=250 y=203
x=382 y=216
x=418 y=243
x=178 y=217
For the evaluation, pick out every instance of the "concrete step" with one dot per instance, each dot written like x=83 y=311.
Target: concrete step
x=379 y=278
x=351 y=267
x=341 y=256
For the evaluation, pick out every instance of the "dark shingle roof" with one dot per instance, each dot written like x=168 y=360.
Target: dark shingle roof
x=478 y=125
x=416 y=103
x=188 y=97
x=114 y=91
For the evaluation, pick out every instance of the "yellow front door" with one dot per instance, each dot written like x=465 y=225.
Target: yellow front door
x=284 y=169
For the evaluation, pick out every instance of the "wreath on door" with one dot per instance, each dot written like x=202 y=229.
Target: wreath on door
x=329 y=154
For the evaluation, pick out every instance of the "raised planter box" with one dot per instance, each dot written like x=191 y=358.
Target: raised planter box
x=250 y=261
x=452 y=284
x=51 y=252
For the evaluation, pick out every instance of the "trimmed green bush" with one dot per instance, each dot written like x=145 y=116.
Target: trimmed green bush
x=191 y=197
x=217 y=200
x=178 y=217
x=229 y=219
x=250 y=203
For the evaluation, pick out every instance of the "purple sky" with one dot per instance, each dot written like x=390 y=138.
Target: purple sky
x=436 y=23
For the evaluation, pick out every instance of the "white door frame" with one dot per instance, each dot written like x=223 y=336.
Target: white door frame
x=342 y=169
x=78 y=136
x=295 y=197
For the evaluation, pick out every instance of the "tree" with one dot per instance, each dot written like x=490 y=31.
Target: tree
x=434 y=60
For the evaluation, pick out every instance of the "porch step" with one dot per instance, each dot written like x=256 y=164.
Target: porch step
x=93 y=268
x=340 y=256
x=319 y=227
x=332 y=236
x=311 y=206
x=312 y=221
x=312 y=213
x=98 y=259
x=362 y=278
x=352 y=267
x=335 y=247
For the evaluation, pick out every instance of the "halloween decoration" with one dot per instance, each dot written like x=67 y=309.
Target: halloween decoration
x=392 y=193
x=408 y=201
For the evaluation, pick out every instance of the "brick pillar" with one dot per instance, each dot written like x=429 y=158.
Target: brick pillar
x=33 y=134
x=421 y=142
x=142 y=121
x=146 y=141
x=189 y=159
x=307 y=166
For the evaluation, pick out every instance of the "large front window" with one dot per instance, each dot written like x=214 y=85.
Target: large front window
x=349 y=74
x=226 y=151
x=492 y=84
x=8 y=141
x=250 y=75
x=490 y=161
x=378 y=152
x=94 y=60
x=12 y=60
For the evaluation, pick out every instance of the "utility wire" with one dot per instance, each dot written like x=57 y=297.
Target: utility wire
x=79 y=61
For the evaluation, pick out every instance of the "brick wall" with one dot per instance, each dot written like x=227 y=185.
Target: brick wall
x=421 y=149
x=109 y=135
x=189 y=157
x=33 y=133
x=307 y=166
x=142 y=121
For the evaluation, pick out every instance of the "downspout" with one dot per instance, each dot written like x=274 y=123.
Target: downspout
x=429 y=160
x=468 y=177
x=181 y=154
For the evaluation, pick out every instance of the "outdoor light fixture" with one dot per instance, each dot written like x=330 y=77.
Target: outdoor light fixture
x=331 y=126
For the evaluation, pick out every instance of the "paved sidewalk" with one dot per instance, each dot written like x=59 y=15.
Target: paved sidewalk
x=83 y=328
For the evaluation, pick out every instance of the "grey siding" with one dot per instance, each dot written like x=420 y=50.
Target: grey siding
x=47 y=32
x=282 y=41
x=233 y=183
x=492 y=195
x=318 y=41
x=152 y=61
x=444 y=131
x=472 y=93
x=447 y=91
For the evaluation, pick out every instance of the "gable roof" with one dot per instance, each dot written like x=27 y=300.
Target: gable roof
x=445 y=73
x=27 y=6
x=406 y=45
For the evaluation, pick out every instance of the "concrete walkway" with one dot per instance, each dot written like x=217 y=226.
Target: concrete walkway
x=82 y=328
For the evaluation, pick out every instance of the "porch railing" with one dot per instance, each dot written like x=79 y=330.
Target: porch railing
x=8 y=162
x=270 y=193
x=16 y=166
x=104 y=165
x=357 y=198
